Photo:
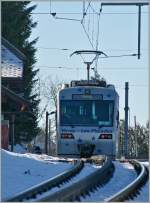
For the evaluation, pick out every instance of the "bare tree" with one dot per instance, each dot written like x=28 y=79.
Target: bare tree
x=142 y=134
x=49 y=90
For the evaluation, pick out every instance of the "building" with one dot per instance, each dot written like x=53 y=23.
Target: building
x=12 y=65
x=12 y=62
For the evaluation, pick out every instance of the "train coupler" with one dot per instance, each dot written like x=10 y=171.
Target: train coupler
x=86 y=150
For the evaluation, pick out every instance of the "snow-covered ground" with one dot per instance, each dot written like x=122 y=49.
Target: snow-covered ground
x=21 y=171
x=144 y=192
x=19 y=149
x=88 y=168
x=123 y=175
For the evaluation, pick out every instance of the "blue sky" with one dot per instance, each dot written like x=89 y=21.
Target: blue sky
x=117 y=36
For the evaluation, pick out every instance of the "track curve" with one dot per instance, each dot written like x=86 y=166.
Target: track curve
x=130 y=190
x=47 y=185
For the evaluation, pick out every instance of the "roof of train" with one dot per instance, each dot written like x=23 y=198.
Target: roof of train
x=76 y=86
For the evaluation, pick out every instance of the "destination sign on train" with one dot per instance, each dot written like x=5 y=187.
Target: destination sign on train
x=87 y=96
x=85 y=82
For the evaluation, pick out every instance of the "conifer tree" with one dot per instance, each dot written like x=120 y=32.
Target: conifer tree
x=17 y=25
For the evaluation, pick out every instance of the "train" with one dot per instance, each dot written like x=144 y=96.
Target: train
x=87 y=119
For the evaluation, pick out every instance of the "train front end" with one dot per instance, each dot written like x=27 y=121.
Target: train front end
x=87 y=121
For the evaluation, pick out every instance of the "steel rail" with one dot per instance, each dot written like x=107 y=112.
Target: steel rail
x=47 y=185
x=129 y=189
x=82 y=187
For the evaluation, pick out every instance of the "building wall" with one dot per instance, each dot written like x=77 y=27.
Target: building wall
x=11 y=65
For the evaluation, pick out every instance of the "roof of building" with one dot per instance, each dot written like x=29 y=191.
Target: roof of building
x=13 y=49
x=14 y=96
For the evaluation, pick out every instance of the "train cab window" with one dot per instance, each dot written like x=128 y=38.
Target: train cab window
x=86 y=112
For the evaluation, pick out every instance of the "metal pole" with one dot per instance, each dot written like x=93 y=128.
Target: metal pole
x=136 y=152
x=88 y=71
x=139 y=30
x=46 y=132
x=49 y=136
x=13 y=133
x=126 y=118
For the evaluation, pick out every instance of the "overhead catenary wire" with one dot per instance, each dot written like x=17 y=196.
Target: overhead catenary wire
x=87 y=35
x=94 y=11
x=62 y=18
x=118 y=56
x=97 y=13
x=69 y=49
x=87 y=31
x=85 y=11
x=80 y=13
x=97 y=38
x=104 y=68
x=84 y=14
x=93 y=22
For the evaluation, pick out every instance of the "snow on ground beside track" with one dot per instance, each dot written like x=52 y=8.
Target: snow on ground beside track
x=124 y=174
x=144 y=191
x=87 y=170
x=146 y=163
x=21 y=171
x=18 y=149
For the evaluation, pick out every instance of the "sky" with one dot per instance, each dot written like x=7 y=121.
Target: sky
x=118 y=34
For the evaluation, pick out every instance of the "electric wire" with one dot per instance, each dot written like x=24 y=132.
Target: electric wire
x=119 y=56
x=96 y=13
x=87 y=35
x=104 y=68
x=93 y=27
x=89 y=17
x=68 y=49
x=84 y=14
x=84 y=28
x=60 y=18
x=97 y=40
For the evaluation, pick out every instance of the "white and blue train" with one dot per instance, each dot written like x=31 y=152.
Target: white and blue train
x=87 y=119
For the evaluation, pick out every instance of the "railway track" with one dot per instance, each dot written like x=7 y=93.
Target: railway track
x=131 y=190
x=73 y=192
x=90 y=183
x=42 y=190
x=82 y=186
x=48 y=184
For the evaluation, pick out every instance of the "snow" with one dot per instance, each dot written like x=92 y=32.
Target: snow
x=87 y=170
x=21 y=171
x=19 y=149
x=146 y=163
x=144 y=192
x=124 y=173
